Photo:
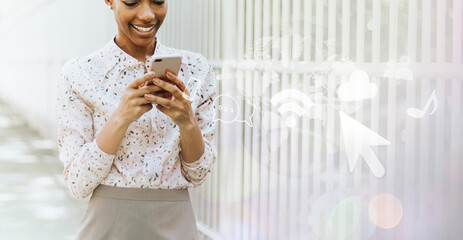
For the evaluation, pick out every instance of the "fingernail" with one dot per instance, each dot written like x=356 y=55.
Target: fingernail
x=155 y=80
x=152 y=74
x=170 y=74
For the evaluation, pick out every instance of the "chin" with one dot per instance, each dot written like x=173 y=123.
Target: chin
x=143 y=42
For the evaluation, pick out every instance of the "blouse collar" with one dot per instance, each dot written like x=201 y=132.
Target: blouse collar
x=118 y=58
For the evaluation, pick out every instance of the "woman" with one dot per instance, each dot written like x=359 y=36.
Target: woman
x=137 y=162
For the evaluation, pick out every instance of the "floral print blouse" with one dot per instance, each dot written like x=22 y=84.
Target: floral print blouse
x=90 y=90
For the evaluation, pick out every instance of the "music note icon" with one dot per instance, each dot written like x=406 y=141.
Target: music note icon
x=418 y=113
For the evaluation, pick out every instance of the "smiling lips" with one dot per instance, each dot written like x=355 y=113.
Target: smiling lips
x=143 y=29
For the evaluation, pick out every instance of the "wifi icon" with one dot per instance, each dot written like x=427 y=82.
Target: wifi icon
x=289 y=107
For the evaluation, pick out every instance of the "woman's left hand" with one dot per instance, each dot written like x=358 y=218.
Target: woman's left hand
x=178 y=107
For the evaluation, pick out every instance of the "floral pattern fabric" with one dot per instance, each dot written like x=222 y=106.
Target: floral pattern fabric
x=89 y=91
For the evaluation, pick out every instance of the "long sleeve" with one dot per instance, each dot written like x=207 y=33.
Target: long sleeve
x=85 y=164
x=197 y=171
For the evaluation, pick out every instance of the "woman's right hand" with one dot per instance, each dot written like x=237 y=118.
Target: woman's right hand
x=133 y=103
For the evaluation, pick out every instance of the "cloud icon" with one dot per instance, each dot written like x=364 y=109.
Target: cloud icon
x=358 y=88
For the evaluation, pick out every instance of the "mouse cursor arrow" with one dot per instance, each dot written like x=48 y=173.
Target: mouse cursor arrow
x=358 y=140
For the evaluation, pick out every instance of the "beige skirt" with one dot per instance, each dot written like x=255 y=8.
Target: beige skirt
x=117 y=213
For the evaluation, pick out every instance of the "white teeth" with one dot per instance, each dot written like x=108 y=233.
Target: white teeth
x=143 y=29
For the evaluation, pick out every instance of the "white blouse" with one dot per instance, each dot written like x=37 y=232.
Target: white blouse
x=90 y=90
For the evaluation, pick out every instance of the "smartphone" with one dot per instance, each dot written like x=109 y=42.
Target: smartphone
x=161 y=64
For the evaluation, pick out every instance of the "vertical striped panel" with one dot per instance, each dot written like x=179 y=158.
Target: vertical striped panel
x=345 y=176
x=297 y=44
x=286 y=25
x=198 y=26
x=205 y=25
x=285 y=160
x=248 y=82
x=257 y=202
x=229 y=41
x=393 y=29
x=424 y=94
x=360 y=31
x=265 y=186
x=457 y=92
x=218 y=40
x=457 y=31
x=410 y=126
x=331 y=112
x=274 y=205
x=426 y=31
x=456 y=112
x=440 y=114
x=375 y=102
x=305 y=143
x=249 y=27
x=359 y=179
x=240 y=29
x=346 y=29
x=318 y=127
x=276 y=36
x=376 y=32
x=390 y=161
x=412 y=29
x=332 y=14
x=295 y=156
x=307 y=30
x=319 y=23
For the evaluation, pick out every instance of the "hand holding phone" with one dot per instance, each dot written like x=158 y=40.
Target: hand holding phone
x=160 y=65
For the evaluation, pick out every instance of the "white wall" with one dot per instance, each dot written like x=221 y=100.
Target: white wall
x=36 y=41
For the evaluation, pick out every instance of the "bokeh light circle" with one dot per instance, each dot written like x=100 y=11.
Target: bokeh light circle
x=320 y=211
x=385 y=210
x=349 y=211
x=350 y=218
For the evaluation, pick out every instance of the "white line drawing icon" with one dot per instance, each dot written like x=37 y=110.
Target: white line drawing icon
x=418 y=113
x=358 y=140
x=193 y=93
x=292 y=107
x=228 y=105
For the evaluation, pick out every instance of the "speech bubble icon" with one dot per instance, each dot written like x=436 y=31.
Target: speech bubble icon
x=250 y=105
x=228 y=108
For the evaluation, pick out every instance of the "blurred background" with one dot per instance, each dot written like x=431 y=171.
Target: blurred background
x=338 y=119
